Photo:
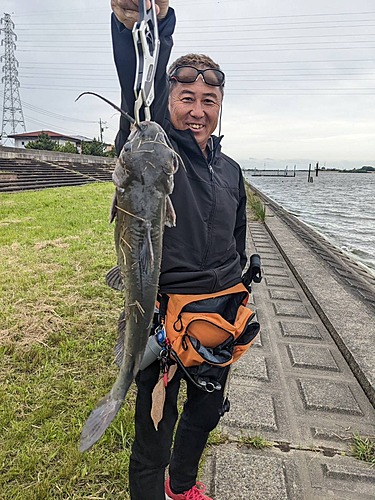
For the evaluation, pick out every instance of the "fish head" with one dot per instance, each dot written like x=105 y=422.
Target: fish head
x=147 y=157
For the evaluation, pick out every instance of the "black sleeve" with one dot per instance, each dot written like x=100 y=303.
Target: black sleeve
x=240 y=229
x=124 y=56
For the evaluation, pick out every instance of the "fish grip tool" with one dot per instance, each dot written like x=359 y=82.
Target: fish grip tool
x=147 y=44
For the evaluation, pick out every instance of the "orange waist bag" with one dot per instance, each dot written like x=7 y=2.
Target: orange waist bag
x=216 y=328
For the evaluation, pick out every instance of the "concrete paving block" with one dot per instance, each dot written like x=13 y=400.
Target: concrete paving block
x=272 y=263
x=264 y=249
x=251 y=299
x=323 y=395
x=258 y=342
x=313 y=357
x=278 y=281
x=248 y=475
x=343 y=477
x=291 y=309
x=260 y=239
x=272 y=259
x=253 y=365
x=274 y=271
x=348 y=472
x=332 y=434
x=267 y=255
x=300 y=330
x=250 y=410
x=284 y=295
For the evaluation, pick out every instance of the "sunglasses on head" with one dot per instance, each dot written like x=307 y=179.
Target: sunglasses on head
x=189 y=74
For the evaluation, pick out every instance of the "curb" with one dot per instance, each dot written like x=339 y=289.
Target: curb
x=348 y=317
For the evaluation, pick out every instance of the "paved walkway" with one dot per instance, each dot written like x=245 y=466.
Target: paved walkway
x=295 y=389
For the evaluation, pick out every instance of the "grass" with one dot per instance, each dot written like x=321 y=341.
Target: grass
x=363 y=449
x=255 y=441
x=257 y=208
x=58 y=323
x=57 y=332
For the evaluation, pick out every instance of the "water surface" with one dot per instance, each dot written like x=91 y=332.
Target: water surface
x=339 y=206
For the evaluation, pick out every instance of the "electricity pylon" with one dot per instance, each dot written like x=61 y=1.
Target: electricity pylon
x=12 y=107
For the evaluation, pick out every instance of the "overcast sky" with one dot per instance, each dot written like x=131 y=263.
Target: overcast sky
x=300 y=74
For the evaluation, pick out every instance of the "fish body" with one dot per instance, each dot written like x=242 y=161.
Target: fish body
x=143 y=177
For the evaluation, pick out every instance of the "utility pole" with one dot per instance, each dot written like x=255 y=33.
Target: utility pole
x=12 y=107
x=102 y=127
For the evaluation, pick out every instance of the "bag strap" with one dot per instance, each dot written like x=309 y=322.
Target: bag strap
x=163 y=305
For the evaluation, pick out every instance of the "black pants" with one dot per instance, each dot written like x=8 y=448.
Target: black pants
x=151 y=449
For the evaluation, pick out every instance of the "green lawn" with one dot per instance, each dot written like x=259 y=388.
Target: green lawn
x=58 y=324
x=58 y=328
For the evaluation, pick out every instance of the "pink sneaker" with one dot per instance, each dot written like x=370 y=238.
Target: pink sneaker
x=193 y=494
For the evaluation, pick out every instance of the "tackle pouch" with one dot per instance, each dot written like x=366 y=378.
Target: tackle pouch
x=210 y=328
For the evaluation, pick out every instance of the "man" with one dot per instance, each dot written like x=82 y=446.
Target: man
x=203 y=254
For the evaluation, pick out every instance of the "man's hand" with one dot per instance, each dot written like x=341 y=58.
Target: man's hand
x=127 y=11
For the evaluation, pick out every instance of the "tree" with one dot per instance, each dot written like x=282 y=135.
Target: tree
x=111 y=153
x=68 y=147
x=95 y=148
x=43 y=142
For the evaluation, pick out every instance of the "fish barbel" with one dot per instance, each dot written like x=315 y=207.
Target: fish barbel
x=143 y=177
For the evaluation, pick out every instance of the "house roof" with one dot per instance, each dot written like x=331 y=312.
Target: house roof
x=53 y=135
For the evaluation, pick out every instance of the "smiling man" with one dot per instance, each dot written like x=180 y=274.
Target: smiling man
x=195 y=96
x=203 y=254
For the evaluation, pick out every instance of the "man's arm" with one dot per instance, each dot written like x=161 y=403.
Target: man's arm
x=124 y=55
x=240 y=229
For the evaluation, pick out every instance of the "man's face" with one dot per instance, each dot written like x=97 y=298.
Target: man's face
x=195 y=106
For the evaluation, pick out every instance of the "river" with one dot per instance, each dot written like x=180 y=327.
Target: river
x=340 y=206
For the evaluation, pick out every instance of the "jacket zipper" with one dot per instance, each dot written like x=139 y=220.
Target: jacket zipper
x=213 y=210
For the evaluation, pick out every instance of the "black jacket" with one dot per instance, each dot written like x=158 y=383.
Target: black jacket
x=205 y=252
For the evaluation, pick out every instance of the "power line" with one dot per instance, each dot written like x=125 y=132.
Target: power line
x=231 y=45
x=285 y=16
x=53 y=87
x=70 y=63
x=194 y=21
x=39 y=122
x=232 y=92
x=95 y=64
x=234 y=78
x=239 y=19
x=232 y=73
x=51 y=114
x=213 y=49
x=215 y=39
x=69 y=11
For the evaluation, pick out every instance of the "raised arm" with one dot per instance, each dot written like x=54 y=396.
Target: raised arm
x=125 y=13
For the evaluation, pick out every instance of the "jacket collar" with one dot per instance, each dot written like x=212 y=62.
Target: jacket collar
x=187 y=142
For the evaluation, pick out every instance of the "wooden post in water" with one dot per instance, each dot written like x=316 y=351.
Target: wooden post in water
x=317 y=169
x=294 y=174
x=310 y=177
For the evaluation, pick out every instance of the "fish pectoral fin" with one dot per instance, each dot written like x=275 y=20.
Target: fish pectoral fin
x=114 y=280
x=119 y=348
x=113 y=211
x=146 y=257
x=170 y=214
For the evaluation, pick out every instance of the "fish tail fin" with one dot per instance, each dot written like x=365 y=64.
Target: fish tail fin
x=99 y=420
